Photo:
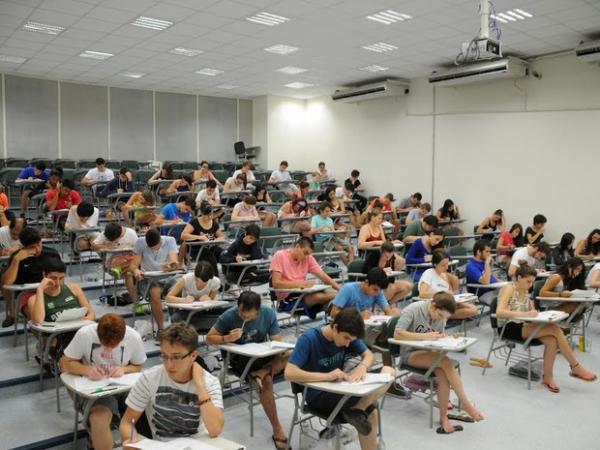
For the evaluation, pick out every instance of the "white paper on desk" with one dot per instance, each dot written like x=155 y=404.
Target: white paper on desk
x=70 y=314
x=584 y=293
x=377 y=320
x=551 y=315
x=370 y=378
x=85 y=384
x=448 y=342
x=281 y=344
x=465 y=297
x=174 y=444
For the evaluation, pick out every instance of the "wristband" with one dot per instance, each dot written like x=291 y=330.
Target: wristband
x=203 y=402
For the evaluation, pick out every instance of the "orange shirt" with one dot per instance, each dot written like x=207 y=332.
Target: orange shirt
x=3 y=200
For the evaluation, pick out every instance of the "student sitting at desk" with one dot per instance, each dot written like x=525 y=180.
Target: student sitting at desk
x=437 y=279
x=63 y=197
x=322 y=173
x=107 y=349
x=535 y=233
x=82 y=216
x=282 y=178
x=509 y=240
x=593 y=277
x=344 y=194
x=323 y=222
x=234 y=184
x=564 y=250
x=209 y=194
x=9 y=236
x=416 y=214
x=98 y=174
x=532 y=255
x=201 y=285
x=356 y=189
x=568 y=277
x=251 y=322
x=479 y=270
x=289 y=268
x=321 y=355
x=427 y=320
x=408 y=203
x=514 y=302
x=421 y=250
x=246 y=210
x=448 y=213
x=183 y=184
x=145 y=199
x=179 y=397
x=175 y=214
x=119 y=184
x=166 y=173
x=493 y=222
x=371 y=234
x=589 y=248
x=246 y=171
x=244 y=248
x=117 y=237
x=202 y=228
x=297 y=207
x=385 y=258
x=204 y=174
x=419 y=228
x=36 y=171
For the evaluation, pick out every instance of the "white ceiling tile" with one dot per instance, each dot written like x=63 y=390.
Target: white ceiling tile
x=231 y=9
x=170 y=12
x=112 y=15
x=68 y=6
x=16 y=8
x=91 y=24
x=207 y=20
x=130 y=5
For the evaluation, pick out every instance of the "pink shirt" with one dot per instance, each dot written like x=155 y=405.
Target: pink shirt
x=244 y=210
x=292 y=270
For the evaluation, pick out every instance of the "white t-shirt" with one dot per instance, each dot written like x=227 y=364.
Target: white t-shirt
x=249 y=175
x=6 y=240
x=521 y=254
x=128 y=240
x=85 y=347
x=233 y=187
x=189 y=286
x=435 y=281
x=204 y=197
x=172 y=408
x=95 y=175
x=592 y=273
x=92 y=221
x=278 y=175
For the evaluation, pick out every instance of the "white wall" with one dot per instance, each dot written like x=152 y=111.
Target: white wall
x=525 y=146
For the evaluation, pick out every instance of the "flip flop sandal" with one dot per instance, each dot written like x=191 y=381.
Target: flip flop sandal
x=441 y=430
x=553 y=389
x=460 y=417
x=583 y=378
x=280 y=441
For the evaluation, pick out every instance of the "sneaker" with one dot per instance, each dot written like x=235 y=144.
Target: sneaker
x=399 y=391
x=143 y=308
x=358 y=419
x=8 y=322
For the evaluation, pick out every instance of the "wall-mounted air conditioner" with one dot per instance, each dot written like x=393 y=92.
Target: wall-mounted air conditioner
x=371 y=91
x=588 y=52
x=482 y=71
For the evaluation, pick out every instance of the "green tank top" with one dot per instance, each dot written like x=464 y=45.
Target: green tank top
x=64 y=300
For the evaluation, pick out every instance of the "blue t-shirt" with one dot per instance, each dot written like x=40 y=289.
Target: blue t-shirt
x=416 y=255
x=314 y=353
x=29 y=172
x=352 y=296
x=318 y=222
x=473 y=273
x=254 y=331
x=170 y=212
x=153 y=260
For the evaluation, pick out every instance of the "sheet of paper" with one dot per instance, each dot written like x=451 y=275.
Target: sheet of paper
x=377 y=320
x=85 y=384
x=448 y=342
x=174 y=444
x=280 y=344
x=552 y=316
x=71 y=314
x=462 y=298
x=584 y=293
x=370 y=378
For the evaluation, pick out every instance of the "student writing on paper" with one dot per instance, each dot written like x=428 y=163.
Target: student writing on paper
x=107 y=349
x=535 y=233
x=568 y=277
x=385 y=258
x=514 y=302
x=437 y=279
x=532 y=255
x=589 y=247
x=244 y=248
x=421 y=250
x=426 y=320
x=252 y=322
x=320 y=355
x=202 y=228
x=179 y=398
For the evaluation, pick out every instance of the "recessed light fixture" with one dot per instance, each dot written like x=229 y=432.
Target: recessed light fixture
x=133 y=74
x=291 y=70
x=388 y=17
x=298 y=85
x=227 y=86
x=512 y=15
x=266 y=18
x=153 y=24
x=380 y=47
x=185 y=51
x=281 y=49
x=95 y=55
x=43 y=28
x=374 y=68
x=209 y=72
x=12 y=59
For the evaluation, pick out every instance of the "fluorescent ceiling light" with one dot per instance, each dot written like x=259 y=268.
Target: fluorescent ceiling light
x=133 y=75
x=209 y=72
x=43 y=28
x=266 y=18
x=380 y=47
x=185 y=51
x=388 y=17
x=512 y=15
x=281 y=49
x=298 y=85
x=227 y=86
x=374 y=68
x=523 y=13
x=291 y=70
x=12 y=59
x=95 y=55
x=153 y=24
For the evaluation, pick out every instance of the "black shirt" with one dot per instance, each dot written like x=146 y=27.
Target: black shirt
x=531 y=232
x=31 y=269
x=199 y=229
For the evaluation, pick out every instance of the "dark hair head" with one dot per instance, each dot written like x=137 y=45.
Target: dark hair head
x=283 y=163
x=149 y=197
x=85 y=209
x=389 y=196
x=40 y=165
x=258 y=189
x=111 y=330
x=201 y=163
x=29 y=236
x=211 y=184
x=123 y=171
x=54 y=265
x=68 y=183
x=187 y=178
x=205 y=209
x=349 y=186
x=373 y=213
x=480 y=246
x=437 y=257
x=180 y=333
x=542 y=247
x=377 y=276
x=445 y=210
x=592 y=248
x=569 y=282
x=539 y=219
x=518 y=241
x=100 y=161
x=431 y=221
x=189 y=202
x=253 y=230
x=57 y=172
x=168 y=169
x=14 y=220
x=246 y=164
x=444 y=301
x=323 y=206
x=418 y=196
x=321 y=163
x=426 y=206
x=250 y=200
x=355 y=173
x=204 y=270
x=387 y=247
x=305 y=242
x=248 y=301
x=152 y=237
x=566 y=240
x=328 y=191
x=112 y=231
x=303 y=184
x=349 y=320
x=499 y=212
x=525 y=270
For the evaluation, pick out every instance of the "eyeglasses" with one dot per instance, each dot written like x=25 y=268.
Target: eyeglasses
x=166 y=358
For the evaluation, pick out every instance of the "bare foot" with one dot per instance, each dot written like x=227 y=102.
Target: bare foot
x=473 y=412
x=580 y=372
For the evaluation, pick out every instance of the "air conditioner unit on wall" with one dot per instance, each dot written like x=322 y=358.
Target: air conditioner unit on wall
x=371 y=91
x=482 y=71
x=588 y=52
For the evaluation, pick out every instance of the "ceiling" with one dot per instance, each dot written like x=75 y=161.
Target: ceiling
x=329 y=33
